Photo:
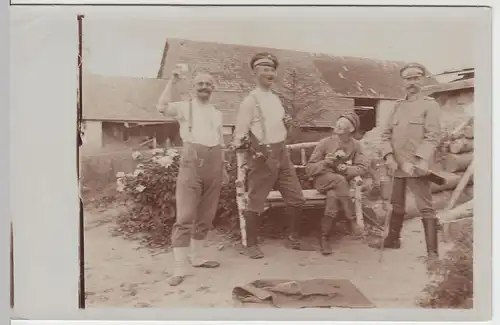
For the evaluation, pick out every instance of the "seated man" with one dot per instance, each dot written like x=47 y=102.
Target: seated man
x=334 y=162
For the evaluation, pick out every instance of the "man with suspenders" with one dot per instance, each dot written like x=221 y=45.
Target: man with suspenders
x=261 y=116
x=201 y=171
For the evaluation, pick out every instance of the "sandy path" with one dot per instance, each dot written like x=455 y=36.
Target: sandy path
x=119 y=274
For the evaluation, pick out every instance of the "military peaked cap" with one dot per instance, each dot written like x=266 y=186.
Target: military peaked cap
x=412 y=70
x=264 y=59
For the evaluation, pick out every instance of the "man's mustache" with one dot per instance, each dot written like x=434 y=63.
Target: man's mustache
x=204 y=90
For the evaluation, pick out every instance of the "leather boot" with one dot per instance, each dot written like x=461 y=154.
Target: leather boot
x=431 y=241
x=252 y=250
x=326 y=229
x=350 y=213
x=293 y=239
x=181 y=255
x=393 y=239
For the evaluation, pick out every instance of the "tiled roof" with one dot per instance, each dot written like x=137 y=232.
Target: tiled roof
x=346 y=76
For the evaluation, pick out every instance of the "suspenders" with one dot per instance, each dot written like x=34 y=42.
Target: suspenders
x=261 y=118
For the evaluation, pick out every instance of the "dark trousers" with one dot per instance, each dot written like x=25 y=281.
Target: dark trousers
x=277 y=172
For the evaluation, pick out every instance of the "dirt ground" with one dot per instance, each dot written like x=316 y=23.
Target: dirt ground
x=121 y=274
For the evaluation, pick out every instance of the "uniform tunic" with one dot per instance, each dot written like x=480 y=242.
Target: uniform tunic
x=412 y=131
x=199 y=181
x=328 y=181
x=262 y=113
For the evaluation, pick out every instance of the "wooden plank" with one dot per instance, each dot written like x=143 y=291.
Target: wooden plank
x=303 y=145
x=308 y=195
x=460 y=187
x=464 y=210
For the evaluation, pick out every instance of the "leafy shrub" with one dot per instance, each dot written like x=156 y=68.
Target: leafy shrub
x=453 y=284
x=150 y=193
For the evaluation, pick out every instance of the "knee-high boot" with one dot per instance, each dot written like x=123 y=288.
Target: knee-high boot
x=293 y=239
x=327 y=223
x=431 y=240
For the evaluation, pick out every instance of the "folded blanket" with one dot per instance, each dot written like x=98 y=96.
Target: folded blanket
x=314 y=293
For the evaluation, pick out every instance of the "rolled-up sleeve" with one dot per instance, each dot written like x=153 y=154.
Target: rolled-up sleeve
x=244 y=119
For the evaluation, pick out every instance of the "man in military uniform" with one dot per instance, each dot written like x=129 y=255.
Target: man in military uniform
x=334 y=162
x=262 y=114
x=408 y=145
x=201 y=171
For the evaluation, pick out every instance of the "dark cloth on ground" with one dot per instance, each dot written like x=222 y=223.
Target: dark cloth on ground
x=314 y=293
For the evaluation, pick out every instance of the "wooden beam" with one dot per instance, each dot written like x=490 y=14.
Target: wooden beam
x=460 y=187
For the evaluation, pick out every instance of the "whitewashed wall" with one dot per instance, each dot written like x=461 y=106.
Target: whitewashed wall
x=93 y=135
x=384 y=108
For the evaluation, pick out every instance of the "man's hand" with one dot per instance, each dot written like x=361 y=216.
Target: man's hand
x=391 y=163
x=179 y=71
x=330 y=159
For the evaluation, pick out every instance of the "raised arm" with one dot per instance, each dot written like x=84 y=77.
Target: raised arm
x=170 y=95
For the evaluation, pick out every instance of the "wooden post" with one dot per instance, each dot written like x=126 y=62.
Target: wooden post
x=303 y=158
x=241 y=194
x=358 y=182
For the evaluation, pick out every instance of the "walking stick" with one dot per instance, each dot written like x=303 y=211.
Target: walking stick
x=387 y=223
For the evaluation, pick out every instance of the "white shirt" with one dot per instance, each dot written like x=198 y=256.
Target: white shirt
x=206 y=123
x=272 y=111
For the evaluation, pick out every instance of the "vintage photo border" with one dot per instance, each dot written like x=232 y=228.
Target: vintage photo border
x=35 y=192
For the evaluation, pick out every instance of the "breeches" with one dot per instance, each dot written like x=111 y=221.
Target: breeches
x=277 y=172
x=421 y=190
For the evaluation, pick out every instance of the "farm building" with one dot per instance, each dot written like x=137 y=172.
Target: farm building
x=314 y=88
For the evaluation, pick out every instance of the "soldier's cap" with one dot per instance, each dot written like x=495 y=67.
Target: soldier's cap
x=264 y=59
x=353 y=118
x=412 y=70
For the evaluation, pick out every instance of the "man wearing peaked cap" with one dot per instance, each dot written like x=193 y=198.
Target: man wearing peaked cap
x=264 y=59
x=412 y=70
x=409 y=141
x=335 y=161
x=261 y=117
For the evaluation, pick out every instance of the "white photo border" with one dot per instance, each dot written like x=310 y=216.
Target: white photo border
x=44 y=191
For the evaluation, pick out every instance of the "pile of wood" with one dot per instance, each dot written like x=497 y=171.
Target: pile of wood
x=454 y=199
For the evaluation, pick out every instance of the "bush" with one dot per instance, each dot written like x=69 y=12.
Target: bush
x=453 y=284
x=150 y=193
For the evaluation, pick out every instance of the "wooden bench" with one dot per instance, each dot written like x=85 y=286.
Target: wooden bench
x=275 y=200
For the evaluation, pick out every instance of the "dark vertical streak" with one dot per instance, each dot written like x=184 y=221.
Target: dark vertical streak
x=81 y=235
x=163 y=60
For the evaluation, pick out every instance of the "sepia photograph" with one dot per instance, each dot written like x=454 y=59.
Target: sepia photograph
x=281 y=162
